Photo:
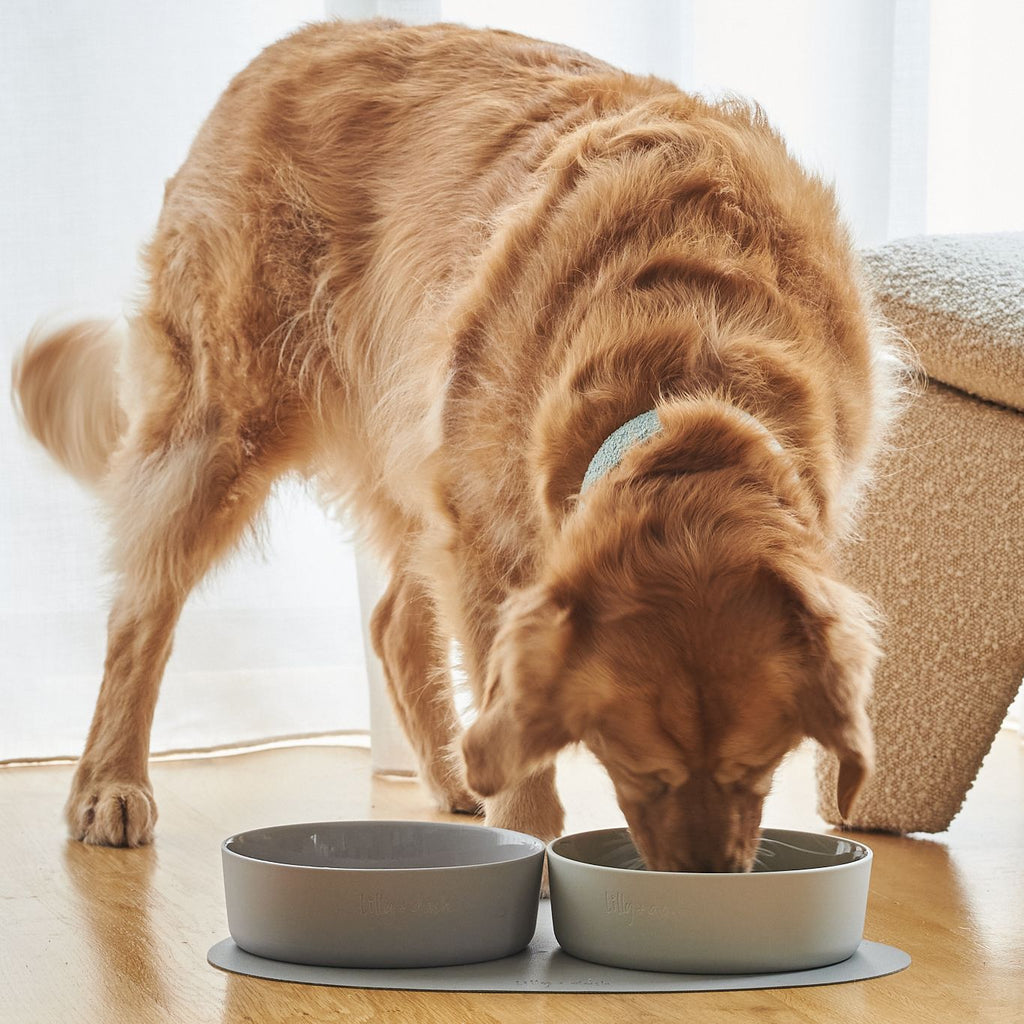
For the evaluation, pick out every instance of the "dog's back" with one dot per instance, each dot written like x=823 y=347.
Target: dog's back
x=372 y=208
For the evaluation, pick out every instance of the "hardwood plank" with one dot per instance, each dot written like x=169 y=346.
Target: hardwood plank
x=97 y=935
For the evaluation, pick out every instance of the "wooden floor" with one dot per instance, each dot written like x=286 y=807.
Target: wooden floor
x=109 y=936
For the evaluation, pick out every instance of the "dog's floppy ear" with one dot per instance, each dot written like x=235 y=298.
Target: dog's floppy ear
x=523 y=720
x=838 y=627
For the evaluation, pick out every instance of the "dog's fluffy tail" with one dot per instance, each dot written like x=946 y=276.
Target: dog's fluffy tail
x=64 y=385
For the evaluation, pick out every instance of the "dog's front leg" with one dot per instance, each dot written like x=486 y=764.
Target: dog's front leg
x=531 y=805
x=407 y=640
x=514 y=659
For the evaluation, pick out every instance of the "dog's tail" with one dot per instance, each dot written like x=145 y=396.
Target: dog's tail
x=64 y=385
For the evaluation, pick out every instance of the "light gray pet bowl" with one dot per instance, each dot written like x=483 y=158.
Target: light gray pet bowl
x=802 y=907
x=382 y=893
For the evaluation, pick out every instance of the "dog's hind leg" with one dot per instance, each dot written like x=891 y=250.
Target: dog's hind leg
x=412 y=650
x=181 y=494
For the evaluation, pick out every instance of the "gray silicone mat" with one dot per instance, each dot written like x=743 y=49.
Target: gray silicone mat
x=544 y=967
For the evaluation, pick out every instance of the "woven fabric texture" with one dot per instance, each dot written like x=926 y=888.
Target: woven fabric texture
x=941 y=548
x=960 y=300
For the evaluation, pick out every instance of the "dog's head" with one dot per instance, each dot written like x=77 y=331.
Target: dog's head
x=689 y=666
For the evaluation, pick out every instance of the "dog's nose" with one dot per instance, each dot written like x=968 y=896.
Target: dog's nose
x=720 y=862
x=695 y=864
x=718 y=865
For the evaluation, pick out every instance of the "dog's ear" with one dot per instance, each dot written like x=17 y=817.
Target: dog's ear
x=838 y=627
x=523 y=721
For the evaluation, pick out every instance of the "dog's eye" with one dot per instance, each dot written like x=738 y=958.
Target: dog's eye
x=729 y=774
x=655 y=787
x=759 y=781
x=673 y=777
x=756 y=778
x=657 y=784
x=644 y=787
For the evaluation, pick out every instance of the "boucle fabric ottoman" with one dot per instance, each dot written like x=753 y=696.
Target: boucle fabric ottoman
x=941 y=545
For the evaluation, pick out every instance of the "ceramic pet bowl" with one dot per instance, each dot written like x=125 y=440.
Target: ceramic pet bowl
x=382 y=893
x=802 y=907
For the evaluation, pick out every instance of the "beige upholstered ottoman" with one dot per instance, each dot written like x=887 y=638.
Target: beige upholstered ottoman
x=941 y=547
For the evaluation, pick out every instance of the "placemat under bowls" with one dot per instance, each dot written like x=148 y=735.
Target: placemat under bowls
x=544 y=967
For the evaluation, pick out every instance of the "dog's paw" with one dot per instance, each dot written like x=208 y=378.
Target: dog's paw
x=456 y=799
x=445 y=778
x=108 y=813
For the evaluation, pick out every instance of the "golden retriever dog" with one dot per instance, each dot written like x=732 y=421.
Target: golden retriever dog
x=435 y=270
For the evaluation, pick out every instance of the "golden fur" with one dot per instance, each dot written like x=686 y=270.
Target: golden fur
x=433 y=268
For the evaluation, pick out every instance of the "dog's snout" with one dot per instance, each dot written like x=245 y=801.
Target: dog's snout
x=708 y=863
x=698 y=843
x=734 y=862
x=718 y=865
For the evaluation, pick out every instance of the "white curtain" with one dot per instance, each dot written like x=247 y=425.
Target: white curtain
x=98 y=105
x=910 y=106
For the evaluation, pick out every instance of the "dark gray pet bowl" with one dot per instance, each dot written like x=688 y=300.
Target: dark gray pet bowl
x=382 y=893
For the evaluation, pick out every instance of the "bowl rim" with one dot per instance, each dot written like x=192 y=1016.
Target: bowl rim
x=866 y=858
x=531 y=846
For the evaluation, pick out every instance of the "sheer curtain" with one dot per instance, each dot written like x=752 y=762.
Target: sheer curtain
x=908 y=105
x=98 y=105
